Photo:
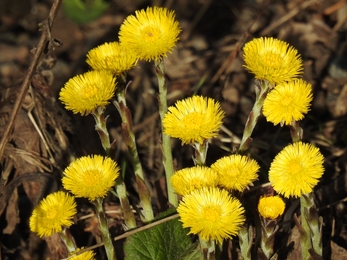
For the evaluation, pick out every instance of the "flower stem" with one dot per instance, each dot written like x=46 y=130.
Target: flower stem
x=100 y=127
x=296 y=131
x=103 y=227
x=129 y=139
x=128 y=214
x=200 y=153
x=68 y=240
x=269 y=229
x=261 y=90
x=166 y=145
x=311 y=237
x=208 y=249
x=246 y=240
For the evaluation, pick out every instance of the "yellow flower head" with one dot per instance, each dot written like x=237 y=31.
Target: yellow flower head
x=296 y=169
x=88 y=255
x=52 y=213
x=193 y=119
x=272 y=59
x=151 y=34
x=90 y=176
x=186 y=180
x=288 y=102
x=271 y=207
x=111 y=56
x=211 y=213
x=84 y=93
x=236 y=172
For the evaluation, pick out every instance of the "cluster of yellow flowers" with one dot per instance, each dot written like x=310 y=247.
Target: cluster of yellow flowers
x=88 y=177
x=297 y=168
x=294 y=171
x=278 y=63
x=149 y=35
x=208 y=210
x=207 y=206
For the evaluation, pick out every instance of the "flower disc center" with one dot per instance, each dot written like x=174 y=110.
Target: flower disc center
x=287 y=101
x=272 y=60
x=233 y=172
x=151 y=34
x=212 y=213
x=89 y=91
x=295 y=167
x=52 y=213
x=91 y=177
x=192 y=121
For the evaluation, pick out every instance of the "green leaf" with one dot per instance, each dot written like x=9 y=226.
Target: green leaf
x=84 y=11
x=167 y=241
x=194 y=255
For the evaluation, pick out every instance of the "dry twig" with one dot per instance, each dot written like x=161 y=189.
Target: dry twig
x=45 y=37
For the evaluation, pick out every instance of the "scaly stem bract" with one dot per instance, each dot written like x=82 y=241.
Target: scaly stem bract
x=129 y=139
x=269 y=229
x=311 y=237
x=296 y=131
x=129 y=217
x=68 y=240
x=246 y=241
x=166 y=145
x=104 y=232
x=100 y=127
x=261 y=90
x=200 y=153
x=208 y=249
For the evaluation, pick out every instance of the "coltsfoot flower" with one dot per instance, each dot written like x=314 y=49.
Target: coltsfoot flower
x=211 y=213
x=90 y=177
x=52 y=214
x=111 y=56
x=272 y=59
x=186 y=180
x=271 y=207
x=288 y=102
x=84 y=93
x=151 y=33
x=296 y=169
x=88 y=255
x=194 y=119
x=236 y=172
